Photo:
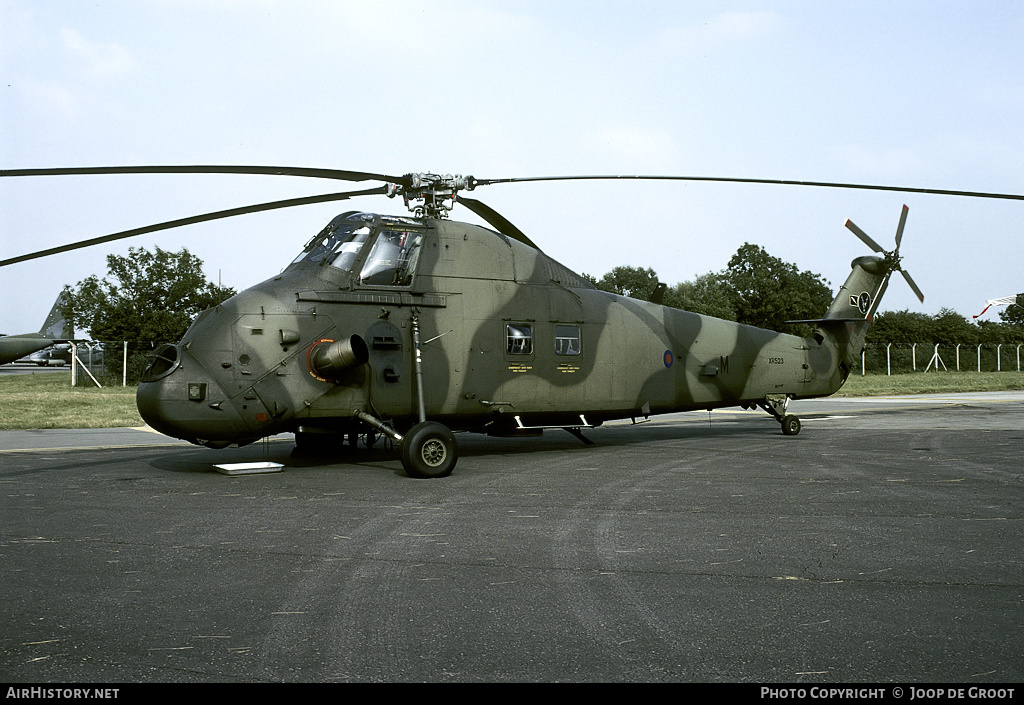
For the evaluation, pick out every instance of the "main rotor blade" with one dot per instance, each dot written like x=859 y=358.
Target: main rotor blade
x=307 y=200
x=864 y=237
x=337 y=174
x=344 y=175
x=899 y=228
x=913 y=286
x=496 y=220
x=781 y=182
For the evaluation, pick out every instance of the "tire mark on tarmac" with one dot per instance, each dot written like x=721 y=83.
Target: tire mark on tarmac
x=348 y=607
x=601 y=593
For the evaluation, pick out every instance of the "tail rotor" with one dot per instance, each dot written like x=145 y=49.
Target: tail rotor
x=891 y=258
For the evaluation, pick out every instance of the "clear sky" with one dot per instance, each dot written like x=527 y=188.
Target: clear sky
x=926 y=94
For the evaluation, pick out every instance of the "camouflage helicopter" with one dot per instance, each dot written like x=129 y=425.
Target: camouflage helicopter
x=416 y=326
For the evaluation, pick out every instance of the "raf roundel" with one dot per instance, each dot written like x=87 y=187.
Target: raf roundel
x=668 y=358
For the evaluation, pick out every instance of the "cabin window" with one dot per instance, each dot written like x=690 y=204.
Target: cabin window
x=392 y=261
x=567 y=340
x=518 y=339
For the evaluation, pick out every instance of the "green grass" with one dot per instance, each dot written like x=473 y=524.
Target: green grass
x=47 y=400
x=931 y=383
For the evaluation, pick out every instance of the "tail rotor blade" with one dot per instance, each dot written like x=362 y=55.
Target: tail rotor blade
x=913 y=286
x=899 y=228
x=865 y=238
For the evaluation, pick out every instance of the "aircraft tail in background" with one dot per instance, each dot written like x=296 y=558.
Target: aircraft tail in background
x=55 y=329
x=56 y=326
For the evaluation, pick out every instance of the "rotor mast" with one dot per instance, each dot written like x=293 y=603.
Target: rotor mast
x=430 y=195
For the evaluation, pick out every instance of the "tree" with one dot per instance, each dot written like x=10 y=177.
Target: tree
x=146 y=297
x=756 y=289
x=948 y=326
x=634 y=282
x=767 y=292
x=901 y=327
x=1014 y=313
x=992 y=333
x=708 y=295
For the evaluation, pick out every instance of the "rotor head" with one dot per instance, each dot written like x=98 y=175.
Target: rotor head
x=430 y=195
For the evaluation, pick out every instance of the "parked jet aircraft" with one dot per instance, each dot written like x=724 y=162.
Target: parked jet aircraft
x=55 y=329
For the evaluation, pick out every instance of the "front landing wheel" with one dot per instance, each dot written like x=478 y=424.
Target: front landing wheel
x=429 y=450
x=790 y=425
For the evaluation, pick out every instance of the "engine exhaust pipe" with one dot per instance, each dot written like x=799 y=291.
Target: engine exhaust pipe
x=332 y=359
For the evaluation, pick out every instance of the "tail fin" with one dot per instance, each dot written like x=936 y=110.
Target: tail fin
x=847 y=319
x=56 y=326
x=850 y=314
x=859 y=296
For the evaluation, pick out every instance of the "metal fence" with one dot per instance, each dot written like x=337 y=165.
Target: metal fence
x=106 y=363
x=900 y=358
x=111 y=362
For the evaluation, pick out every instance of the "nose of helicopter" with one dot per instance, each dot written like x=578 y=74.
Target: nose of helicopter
x=178 y=397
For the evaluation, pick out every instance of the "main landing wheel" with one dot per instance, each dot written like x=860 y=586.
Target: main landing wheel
x=429 y=450
x=790 y=425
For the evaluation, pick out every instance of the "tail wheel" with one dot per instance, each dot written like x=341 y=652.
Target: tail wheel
x=790 y=425
x=429 y=450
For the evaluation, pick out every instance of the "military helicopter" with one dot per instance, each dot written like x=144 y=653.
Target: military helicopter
x=416 y=326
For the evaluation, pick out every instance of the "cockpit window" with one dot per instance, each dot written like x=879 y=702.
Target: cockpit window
x=344 y=250
x=343 y=244
x=338 y=244
x=392 y=260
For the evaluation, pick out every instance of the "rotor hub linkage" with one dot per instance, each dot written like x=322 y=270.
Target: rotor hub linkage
x=431 y=195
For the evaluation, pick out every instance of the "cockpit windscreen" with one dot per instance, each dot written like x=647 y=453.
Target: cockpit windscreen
x=338 y=244
x=383 y=256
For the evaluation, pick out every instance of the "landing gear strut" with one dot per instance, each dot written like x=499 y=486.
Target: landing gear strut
x=776 y=406
x=429 y=448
